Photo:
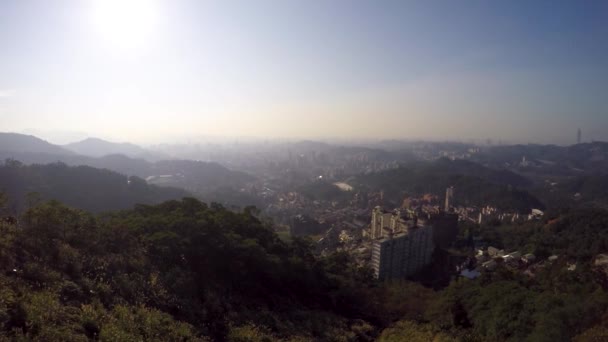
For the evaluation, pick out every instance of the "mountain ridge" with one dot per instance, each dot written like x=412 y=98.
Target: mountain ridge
x=23 y=143
x=96 y=147
x=201 y=177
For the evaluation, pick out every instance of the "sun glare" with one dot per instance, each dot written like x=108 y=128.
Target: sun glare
x=126 y=24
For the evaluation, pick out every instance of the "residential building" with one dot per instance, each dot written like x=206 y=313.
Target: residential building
x=401 y=252
x=381 y=220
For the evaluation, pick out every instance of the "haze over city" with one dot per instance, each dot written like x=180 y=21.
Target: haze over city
x=151 y=71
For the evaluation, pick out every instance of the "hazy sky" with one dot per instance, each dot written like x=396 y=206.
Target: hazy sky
x=151 y=70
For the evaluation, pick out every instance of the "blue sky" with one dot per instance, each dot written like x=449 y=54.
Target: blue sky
x=154 y=70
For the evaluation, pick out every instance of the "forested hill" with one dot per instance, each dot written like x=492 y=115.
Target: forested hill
x=582 y=191
x=475 y=184
x=78 y=186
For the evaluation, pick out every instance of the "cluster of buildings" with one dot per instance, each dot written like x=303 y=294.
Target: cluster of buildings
x=397 y=243
x=490 y=258
x=488 y=213
x=527 y=264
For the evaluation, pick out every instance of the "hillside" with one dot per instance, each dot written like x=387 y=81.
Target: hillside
x=580 y=191
x=21 y=143
x=80 y=187
x=475 y=184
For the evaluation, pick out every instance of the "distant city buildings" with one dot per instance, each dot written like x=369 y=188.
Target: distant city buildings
x=485 y=214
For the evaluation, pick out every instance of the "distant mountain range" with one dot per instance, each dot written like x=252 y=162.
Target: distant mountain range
x=90 y=147
x=197 y=177
x=95 y=147
x=22 y=144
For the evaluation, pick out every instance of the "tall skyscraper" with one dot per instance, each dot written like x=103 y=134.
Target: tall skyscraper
x=579 y=136
x=449 y=195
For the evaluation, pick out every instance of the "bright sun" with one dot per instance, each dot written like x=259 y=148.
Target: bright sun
x=126 y=24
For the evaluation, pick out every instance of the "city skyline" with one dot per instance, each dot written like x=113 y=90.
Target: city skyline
x=153 y=71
